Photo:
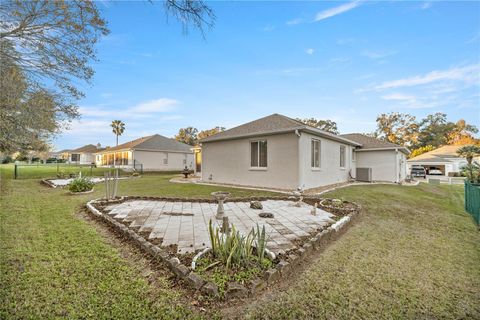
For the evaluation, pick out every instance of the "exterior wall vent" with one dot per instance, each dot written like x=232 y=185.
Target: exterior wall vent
x=364 y=174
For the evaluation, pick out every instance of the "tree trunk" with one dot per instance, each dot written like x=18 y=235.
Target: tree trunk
x=469 y=159
x=117 y=139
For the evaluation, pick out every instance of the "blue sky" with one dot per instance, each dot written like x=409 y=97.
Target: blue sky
x=344 y=61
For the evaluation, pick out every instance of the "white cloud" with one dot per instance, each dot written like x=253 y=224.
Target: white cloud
x=294 y=21
x=268 y=28
x=468 y=74
x=310 y=51
x=426 y=5
x=336 y=10
x=398 y=97
x=377 y=54
x=153 y=106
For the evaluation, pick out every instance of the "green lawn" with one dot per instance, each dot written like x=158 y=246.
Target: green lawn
x=42 y=171
x=415 y=253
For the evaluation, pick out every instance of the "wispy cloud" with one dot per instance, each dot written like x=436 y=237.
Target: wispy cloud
x=378 y=54
x=310 y=51
x=153 y=106
x=426 y=5
x=268 y=28
x=328 y=13
x=468 y=74
x=294 y=21
x=398 y=97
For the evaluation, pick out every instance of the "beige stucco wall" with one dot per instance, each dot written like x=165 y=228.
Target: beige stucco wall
x=153 y=160
x=383 y=163
x=229 y=162
x=329 y=171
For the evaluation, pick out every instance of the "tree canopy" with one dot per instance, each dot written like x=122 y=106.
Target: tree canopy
x=326 y=125
x=191 y=136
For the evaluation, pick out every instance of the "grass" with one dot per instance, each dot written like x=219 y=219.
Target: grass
x=414 y=254
x=53 y=264
x=42 y=171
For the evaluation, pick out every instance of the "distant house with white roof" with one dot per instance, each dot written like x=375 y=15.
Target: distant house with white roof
x=151 y=153
x=444 y=159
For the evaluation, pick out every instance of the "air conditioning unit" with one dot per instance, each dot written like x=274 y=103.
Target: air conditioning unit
x=364 y=174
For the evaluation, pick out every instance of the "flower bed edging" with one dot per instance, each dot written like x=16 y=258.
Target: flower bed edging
x=285 y=267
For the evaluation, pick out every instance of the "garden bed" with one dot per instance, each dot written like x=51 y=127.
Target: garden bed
x=211 y=276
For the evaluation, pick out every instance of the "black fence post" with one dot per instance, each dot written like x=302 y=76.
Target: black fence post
x=15 y=172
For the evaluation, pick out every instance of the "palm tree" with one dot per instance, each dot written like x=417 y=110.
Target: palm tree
x=468 y=152
x=118 y=128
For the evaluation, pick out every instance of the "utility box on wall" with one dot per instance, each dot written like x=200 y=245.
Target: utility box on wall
x=364 y=174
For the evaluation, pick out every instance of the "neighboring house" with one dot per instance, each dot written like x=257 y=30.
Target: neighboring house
x=62 y=154
x=152 y=153
x=387 y=160
x=444 y=158
x=283 y=153
x=82 y=155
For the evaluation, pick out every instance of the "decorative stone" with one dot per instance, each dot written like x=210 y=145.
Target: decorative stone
x=302 y=252
x=265 y=215
x=210 y=289
x=313 y=242
x=283 y=267
x=173 y=262
x=307 y=247
x=256 y=205
x=294 y=260
x=258 y=285
x=181 y=271
x=195 y=281
x=235 y=290
x=271 y=275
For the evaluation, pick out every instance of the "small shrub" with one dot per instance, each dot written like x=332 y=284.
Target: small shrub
x=135 y=174
x=80 y=185
x=61 y=174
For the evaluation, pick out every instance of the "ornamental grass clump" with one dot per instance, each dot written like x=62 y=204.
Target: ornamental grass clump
x=233 y=249
x=80 y=185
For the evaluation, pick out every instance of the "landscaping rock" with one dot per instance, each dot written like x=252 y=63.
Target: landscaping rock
x=301 y=252
x=307 y=247
x=258 y=285
x=293 y=259
x=195 y=281
x=283 y=267
x=271 y=275
x=256 y=205
x=266 y=215
x=235 y=290
x=210 y=289
x=173 y=262
x=181 y=271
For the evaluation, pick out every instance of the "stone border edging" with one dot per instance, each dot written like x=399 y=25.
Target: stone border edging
x=283 y=268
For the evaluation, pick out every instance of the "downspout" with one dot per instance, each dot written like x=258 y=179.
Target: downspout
x=396 y=166
x=299 y=159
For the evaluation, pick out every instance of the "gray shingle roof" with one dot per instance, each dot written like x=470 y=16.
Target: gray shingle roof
x=89 y=148
x=373 y=143
x=153 y=142
x=272 y=124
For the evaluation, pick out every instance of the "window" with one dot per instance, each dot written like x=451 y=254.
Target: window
x=258 y=154
x=185 y=159
x=165 y=160
x=315 y=160
x=342 y=156
x=75 y=157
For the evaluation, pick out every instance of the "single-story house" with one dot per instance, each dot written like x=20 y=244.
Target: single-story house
x=82 y=155
x=283 y=153
x=387 y=160
x=152 y=153
x=444 y=159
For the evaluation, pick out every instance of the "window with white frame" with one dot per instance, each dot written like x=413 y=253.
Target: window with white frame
x=342 y=156
x=258 y=154
x=316 y=152
x=165 y=160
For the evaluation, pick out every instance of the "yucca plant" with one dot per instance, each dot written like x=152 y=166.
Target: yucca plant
x=261 y=241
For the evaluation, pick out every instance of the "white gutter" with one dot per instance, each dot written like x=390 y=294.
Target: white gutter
x=300 y=161
x=396 y=166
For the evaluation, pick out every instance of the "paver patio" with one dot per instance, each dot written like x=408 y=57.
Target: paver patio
x=185 y=224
